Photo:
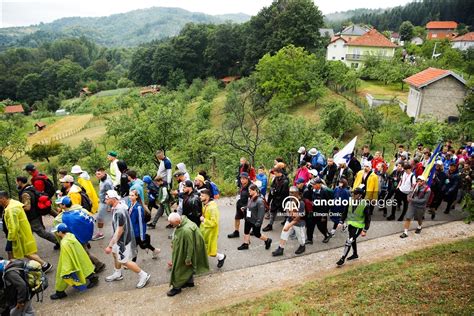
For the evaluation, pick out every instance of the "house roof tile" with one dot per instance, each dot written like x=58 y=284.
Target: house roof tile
x=373 y=39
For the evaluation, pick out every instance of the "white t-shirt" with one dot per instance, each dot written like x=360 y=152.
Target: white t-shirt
x=408 y=180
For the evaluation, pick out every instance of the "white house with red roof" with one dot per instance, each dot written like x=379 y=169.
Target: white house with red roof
x=435 y=93
x=354 y=52
x=440 y=29
x=463 y=42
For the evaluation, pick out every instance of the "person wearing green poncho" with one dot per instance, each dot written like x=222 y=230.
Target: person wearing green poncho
x=74 y=266
x=189 y=253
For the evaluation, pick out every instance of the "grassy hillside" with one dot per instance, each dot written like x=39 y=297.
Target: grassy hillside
x=437 y=280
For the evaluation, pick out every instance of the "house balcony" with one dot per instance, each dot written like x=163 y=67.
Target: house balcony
x=359 y=57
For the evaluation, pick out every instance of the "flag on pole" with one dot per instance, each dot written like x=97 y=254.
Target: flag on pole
x=429 y=170
x=345 y=154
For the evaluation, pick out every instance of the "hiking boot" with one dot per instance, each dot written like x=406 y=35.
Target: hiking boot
x=116 y=276
x=58 y=295
x=57 y=247
x=267 y=228
x=309 y=242
x=326 y=239
x=418 y=230
x=98 y=236
x=93 y=281
x=400 y=219
x=244 y=246
x=391 y=218
x=151 y=225
x=403 y=235
x=354 y=256
x=278 y=252
x=433 y=215
x=100 y=268
x=446 y=212
x=142 y=281
x=220 y=263
x=188 y=284
x=268 y=243
x=300 y=250
x=173 y=292
x=47 y=267
x=340 y=262
x=235 y=234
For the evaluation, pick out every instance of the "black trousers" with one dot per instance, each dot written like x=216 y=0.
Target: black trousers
x=354 y=232
x=144 y=244
x=400 y=198
x=316 y=221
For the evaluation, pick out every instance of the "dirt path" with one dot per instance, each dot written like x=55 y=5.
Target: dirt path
x=220 y=289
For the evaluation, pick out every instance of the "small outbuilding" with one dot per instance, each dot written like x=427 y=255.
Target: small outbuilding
x=435 y=92
x=40 y=126
x=13 y=109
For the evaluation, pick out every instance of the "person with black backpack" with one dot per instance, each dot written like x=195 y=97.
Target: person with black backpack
x=29 y=197
x=42 y=184
x=17 y=293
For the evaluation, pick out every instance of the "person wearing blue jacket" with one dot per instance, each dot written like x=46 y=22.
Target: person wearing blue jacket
x=136 y=184
x=451 y=186
x=138 y=222
x=262 y=177
x=341 y=193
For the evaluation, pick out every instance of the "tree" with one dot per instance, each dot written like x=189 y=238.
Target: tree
x=283 y=23
x=336 y=119
x=292 y=75
x=406 y=31
x=41 y=152
x=31 y=89
x=12 y=145
x=245 y=113
x=372 y=121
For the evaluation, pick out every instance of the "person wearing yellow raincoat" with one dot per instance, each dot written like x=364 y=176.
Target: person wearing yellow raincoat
x=210 y=226
x=74 y=266
x=84 y=180
x=20 y=240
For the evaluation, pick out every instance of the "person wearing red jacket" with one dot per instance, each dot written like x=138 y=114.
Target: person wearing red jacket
x=37 y=179
x=302 y=173
x=417 y=167
x=376 y=160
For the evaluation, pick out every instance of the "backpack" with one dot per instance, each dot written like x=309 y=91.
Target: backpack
x=40 y=201
x=318 y=162
x=85 y=201
x=49 y=189
x=215 y=190
x=34 y=276
x=308 y=205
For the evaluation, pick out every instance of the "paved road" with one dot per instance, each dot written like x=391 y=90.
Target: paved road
x=256 y=255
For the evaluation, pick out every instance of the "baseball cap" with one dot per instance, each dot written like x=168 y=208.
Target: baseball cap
x=294 y=189
x=314 y=172
x=419 y=144
x=316 y=181
x=201 y=178
x=300 y=180
x=29 y=167
x=147 y=179
x=188 y=184
x=422 y=178
x=301 y=150
x=60 y=228
x=67 y=178
x=367 y=164
x=244 y=175
x=112 y=194
x=439 y=162
x=178 y=174
x=66 y=200
x=112 y=154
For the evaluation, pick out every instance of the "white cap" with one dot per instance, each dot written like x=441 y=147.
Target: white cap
x=367 y=164
x=313 y=152
x=439 y=162
x=173 y=217
x=301 y=150
x=314 y=172
x=112 y=194
x=67 y=178
x=421 y=178
x=76 y=169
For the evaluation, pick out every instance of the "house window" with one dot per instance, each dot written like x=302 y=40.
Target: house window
x=333 y=57
x=355 y=65
x=335 y=46
x=434 y=35
x=342 y=58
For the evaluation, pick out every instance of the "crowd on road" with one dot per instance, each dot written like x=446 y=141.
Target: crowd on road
x=329 y=194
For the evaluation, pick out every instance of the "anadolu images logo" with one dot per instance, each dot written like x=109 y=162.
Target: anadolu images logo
x=290 y=203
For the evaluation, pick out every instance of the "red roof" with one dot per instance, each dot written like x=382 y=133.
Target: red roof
x=18 y=108
x=430 y=75
x=468 y=37
x=441 y=25
x=373 y=39
x=40 y=124
x=338 y=37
